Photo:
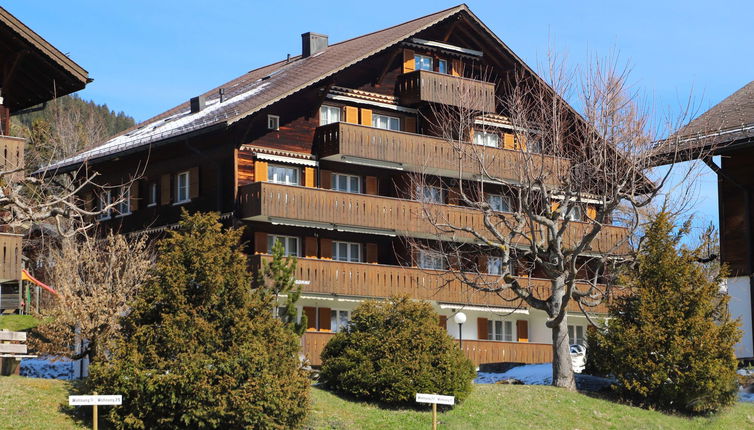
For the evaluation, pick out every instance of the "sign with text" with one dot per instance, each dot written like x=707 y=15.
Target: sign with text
x=95 y=400
x=435 y=398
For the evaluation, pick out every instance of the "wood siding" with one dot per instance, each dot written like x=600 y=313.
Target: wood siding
x=10 y=259
x=425 y=86
x=12 y=157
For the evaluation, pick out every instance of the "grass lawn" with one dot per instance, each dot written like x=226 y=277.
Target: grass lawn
x=517 y=407
x=18 y=322
x=29 y=403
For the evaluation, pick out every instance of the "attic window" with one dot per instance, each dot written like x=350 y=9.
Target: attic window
x=273 y=122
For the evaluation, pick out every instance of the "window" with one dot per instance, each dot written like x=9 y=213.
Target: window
x=576 y=335
x=486 y=139
x=328 y=114
x=575 y=213
x=422 y=62
x=283 y=174
x=431 y=260
x=442 y=66
x=429 y=194
x=290 y=244
x=500 y=330
x=386 y=122
x=104 y=201
x=346 y=183
x=273 y=122
x=347 y=251
x=494 y=265
x=124 y=203
x=182 y=188
x=498 y=202
x=152 y=194
x=339 y=320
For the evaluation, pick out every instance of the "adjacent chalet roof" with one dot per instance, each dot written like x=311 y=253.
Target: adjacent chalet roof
x=33 y=71
x=727 y=125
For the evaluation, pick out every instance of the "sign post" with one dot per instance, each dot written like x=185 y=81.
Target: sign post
x=93 y=401
x=435 y=399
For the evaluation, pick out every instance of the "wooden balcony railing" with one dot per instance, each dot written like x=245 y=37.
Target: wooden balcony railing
x=431 y=155
x=11 y=158
x=10 y=257
x=478 y=351
x=379 y=281
x=318 y=208
x=425 y=86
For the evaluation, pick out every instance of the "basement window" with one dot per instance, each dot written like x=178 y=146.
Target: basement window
x=273 y=122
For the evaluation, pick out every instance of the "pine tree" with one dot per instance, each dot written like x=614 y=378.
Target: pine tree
x=670 y=344
x=200 y=348
x=277 y=278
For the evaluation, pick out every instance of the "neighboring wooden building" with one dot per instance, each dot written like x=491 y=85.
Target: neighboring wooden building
x=314 y=151
x=32 y=72
x=727 y=131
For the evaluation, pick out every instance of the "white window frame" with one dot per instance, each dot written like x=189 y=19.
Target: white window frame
x=421 y=195
x=576 y=334
x=504 y=200
x=271 y=177
x=325 y=112
x=103 y=203
x=334 y=182
x=575 y=213
x=430 y=260
x=417 y=62
x=495 y=265
x=336 y=319
x=500 y=330
x=152 y=194
x=351 y=249
x=179 y=188
x=124 y=205
x=377 y=118
x=486 y=138
x=441 y=61
x=272 y=238
x=273 y=122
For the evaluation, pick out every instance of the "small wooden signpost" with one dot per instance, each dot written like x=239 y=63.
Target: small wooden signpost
x=435 y=399
x=93 y=401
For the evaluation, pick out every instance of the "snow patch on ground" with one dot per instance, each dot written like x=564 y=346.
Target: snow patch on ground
x=541 y=374
x=49 y=368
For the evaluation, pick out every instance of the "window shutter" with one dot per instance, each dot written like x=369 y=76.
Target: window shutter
x=482 y=264
x=456 y=67
x=260 y=242
x=409 y=64
x=366 y=117
x=260 y=171
x=351 y=114
x=481 y=325
x=471 y=135
x=409 y=124
x=508 y=141
x=311 y=317
x=520 y=141
x=308 y=176
x=88 y=200
x=324 y=319
x=194 y=182
x=310 y=247
x=325 y=179
x=372 y=252
x=444 y=322
x=371 y=185
x=454 y=195
x=325 y=248
x=554 y=206
x=522 y=330
x=591 y=211
x=134 y=196
x=165 y=189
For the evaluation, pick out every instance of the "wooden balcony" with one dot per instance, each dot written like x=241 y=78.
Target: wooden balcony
x=425 y=86
x=361 y=213
x=12 y=157
x=478 y=351
x=10 y=259
x=411 y=152
x=369 y=281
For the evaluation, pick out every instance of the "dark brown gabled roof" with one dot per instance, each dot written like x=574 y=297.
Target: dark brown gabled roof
x=257 y=89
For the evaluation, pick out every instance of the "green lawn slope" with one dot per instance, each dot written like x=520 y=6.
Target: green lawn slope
x=29 y=403
x=18 y=322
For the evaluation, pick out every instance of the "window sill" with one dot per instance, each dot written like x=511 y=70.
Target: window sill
x=182 y=202
x=151 y=205
x=123 y=215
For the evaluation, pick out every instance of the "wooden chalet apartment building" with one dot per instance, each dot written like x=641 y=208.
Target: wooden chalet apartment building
x=32 y=72
x=311 y=151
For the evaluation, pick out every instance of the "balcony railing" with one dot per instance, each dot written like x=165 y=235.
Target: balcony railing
x=334 y=210
x=12 y=158
x=10 y=257
x=367 y=281
x=425 y=86
x=431 y=155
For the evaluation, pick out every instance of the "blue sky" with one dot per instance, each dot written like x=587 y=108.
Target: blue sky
x=148 y=56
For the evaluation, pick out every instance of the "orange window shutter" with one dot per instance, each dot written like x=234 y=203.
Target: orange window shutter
x=508 y=141
x=522 y=330
x=365 y=116
x=555 y=206
x=309 y=176
x=444 y=322
x=194 y=182
x=520 y=141
x=260 y=171
x=409 y=124
x=260 y=242
x=325 y=179
x=371 y=185
x=165 y=190
x=325 y=248
x=471 y=135
x=351 y=114
x=481 y=325
x=310 y=247
x=134 y=196
x=311 y=318
x=372 y=253
x=324 y=319
x=409 y=64
x=456 y=68
x=591 y=211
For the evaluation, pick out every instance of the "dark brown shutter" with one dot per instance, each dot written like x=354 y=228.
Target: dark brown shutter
x=482 y=263
x=522 y=330
x=134 y=196
x=88 y=198
x=454 y=195
x=325 y=248
x=194 y=182
x=444 y=322
x=481 y=327
x=372 y=253
x=260 y=242
x=324 y=319
x=310 y=247
x=371 y=185
x=165 y=190
x=325 y=179
x=409 y=124
x=409 y=64
x=311 y=317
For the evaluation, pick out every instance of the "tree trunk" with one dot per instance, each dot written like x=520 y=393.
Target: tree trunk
x=562 y=368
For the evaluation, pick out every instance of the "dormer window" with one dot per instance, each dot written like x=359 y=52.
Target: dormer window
x=273 y=122
x=422 y=62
